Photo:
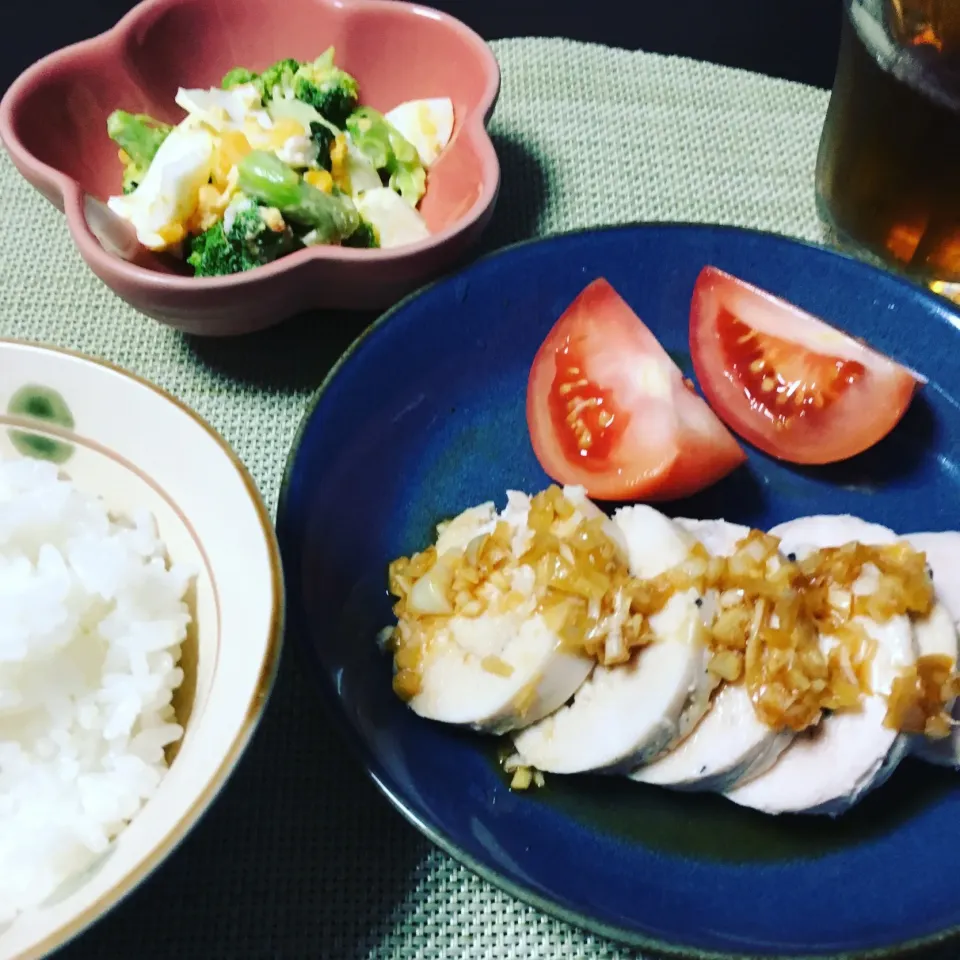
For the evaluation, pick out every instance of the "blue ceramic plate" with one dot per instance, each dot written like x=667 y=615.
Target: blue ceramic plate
x=424 y=416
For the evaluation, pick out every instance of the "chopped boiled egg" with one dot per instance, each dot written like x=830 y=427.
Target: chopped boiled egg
x=299 y=151
x=427 y=124
x=283 y=130
x=338 y=163
x=395 y=221
x=273 y=218
x=259 y=134
x=231 y=148
x=213 y=202
x=222 y=109
x=235 y=207
x=163 y=204
x=321 y=179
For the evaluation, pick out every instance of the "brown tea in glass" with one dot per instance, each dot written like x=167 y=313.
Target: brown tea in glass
x=888 y=169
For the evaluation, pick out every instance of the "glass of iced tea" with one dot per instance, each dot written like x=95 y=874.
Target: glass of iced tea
x=888 y=170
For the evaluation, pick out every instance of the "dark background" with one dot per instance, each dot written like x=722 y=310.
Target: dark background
x=251 y=880
x=794 y=39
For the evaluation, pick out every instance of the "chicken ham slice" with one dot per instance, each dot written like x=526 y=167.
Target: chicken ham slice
x=629 y=713
x=828 y=768
x=731 y=743
x=937 y=634
x=502 y=671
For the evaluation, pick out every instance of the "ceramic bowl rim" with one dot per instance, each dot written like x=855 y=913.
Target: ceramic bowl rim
x=365 y=754
x=74 y=197
x=204 y=797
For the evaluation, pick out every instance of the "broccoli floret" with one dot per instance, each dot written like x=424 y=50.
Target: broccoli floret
x=323 y=138
x=281 y=75
x=333 y=99
x=250 y=243
x=332 y=92
x=236 y=77
x=212 y=254
x=139 y=137
x=390 y=152
x=261 y=242
x=364 y=236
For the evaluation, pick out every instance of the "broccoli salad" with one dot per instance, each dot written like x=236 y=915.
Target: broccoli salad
x=272 y=162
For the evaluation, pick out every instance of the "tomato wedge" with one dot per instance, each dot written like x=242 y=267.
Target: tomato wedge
x=607 y=409
x=790 y=384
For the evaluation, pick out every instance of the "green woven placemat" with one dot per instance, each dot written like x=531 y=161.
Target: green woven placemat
x=301 y=857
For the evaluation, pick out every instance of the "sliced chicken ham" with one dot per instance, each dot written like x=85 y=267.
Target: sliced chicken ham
x=627 y=714
x=830 y=767
x=730 y=744
x=937 y=634
x=943 y=558
x=501 y=671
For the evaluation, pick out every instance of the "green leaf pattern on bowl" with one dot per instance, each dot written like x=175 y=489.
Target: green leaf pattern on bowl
x=45 y=405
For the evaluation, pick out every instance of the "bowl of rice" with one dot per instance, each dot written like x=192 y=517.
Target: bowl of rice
x=141 y=617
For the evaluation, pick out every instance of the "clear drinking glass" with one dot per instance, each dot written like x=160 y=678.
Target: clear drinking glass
x=888 y=170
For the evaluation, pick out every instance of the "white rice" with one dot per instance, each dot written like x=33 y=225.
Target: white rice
x=91 y=621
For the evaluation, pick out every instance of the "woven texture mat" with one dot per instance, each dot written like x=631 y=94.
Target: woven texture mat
x=301 y=857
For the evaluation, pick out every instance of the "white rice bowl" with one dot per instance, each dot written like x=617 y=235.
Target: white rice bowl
x=92 y=616
x=143 y=452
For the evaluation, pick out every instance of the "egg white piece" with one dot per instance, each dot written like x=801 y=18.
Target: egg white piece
x=828 y=768
x=396 y=222
x=167 y=196
x=237 y=205
x=427 y=124
x=221 y=110
x=731 y=743
x=299 y=151
x=937 y=633
x=456 y=687
x=625 y=715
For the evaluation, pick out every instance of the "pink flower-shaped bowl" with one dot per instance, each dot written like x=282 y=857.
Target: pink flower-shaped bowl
x=53 y=123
